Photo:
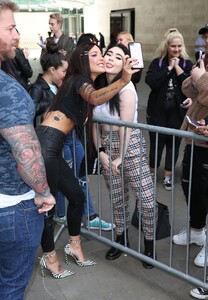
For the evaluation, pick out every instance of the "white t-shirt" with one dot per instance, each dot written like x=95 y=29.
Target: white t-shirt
x=103 y=111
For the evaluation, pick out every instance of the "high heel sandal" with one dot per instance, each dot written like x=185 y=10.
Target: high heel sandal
x=67 y=251
x=43 y=265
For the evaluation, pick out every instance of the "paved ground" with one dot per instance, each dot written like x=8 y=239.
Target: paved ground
x=124 y=278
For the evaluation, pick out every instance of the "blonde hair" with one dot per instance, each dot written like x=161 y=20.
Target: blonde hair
x=171 y=34
x=57 y=17
x=127 y=35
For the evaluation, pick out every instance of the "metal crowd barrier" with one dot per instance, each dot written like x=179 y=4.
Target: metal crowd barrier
x=169 y=265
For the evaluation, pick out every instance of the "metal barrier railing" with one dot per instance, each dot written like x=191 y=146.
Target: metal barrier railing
x=183 y=273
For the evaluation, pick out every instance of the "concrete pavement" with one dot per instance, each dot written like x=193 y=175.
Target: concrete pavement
x=124 y=278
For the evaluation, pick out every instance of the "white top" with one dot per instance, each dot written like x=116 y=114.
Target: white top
x=7 y=200
x=103 y=110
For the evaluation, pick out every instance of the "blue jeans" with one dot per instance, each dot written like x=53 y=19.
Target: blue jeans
x=21 y=228
x=74 y=155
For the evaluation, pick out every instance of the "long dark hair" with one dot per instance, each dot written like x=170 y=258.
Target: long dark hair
x=79 y=62
x=101 y=81
x=87 y=38
x=79 y=65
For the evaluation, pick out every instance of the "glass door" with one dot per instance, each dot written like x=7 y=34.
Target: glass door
x=122 y=20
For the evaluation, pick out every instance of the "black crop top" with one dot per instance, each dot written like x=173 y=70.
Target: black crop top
x=70 y=101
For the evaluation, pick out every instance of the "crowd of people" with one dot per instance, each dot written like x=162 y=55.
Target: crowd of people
x=41 y=131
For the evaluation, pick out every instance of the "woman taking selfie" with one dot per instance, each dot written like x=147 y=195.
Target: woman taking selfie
x=121 y=155
x=69 y=110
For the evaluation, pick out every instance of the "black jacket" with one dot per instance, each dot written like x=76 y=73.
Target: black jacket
x=136 y=77
x=41 y=94
x=157 y=78
x=19 y=68
x=66 y=43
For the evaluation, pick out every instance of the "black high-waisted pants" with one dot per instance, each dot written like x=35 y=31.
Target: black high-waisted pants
x=199 y=185
x=59 y=176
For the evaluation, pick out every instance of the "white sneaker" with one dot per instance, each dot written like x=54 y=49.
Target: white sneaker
x=195 y=237
x=167 y=182
x=200 y=258
x=199 y=293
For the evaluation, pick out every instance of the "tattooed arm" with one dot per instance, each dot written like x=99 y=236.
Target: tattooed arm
x=27 y=153
x=98 y=97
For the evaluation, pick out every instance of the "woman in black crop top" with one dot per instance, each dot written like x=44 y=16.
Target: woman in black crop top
x=69 y=110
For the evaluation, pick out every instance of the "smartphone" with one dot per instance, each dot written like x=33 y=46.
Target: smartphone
x=193 y=122
x=135 y=50
x=41 y=45
x=200 y=57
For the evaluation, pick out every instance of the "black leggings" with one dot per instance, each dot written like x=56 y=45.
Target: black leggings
x=59 y=176
x=163 y=141
x=199 y=186
x=171 y=119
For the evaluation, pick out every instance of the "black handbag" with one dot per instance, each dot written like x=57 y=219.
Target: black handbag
x=163 y=223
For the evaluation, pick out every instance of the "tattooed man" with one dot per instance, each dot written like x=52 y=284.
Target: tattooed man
x=24 y=191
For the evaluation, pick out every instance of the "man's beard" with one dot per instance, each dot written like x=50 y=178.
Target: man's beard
x=6 y=51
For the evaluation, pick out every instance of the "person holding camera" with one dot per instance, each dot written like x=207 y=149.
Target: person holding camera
x=123 y=158
x=203 y=32
x=166 y=106
x=200 y=292
x=196 y=87
x=199 y=46
x=64 y=42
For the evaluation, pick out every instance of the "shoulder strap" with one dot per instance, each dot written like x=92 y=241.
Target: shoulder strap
x=160 y=63
x=184 y=64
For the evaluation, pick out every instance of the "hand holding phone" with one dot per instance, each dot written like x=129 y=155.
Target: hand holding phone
x=193 y=122
x=198 y=61
x=135 y=50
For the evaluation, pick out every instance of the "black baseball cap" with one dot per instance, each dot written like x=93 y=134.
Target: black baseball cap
x=204 y=29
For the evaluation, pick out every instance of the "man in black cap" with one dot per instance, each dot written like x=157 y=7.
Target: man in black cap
x=204 y=29
x=204 y=32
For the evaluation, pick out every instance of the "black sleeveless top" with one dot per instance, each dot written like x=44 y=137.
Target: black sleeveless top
x=70 y=101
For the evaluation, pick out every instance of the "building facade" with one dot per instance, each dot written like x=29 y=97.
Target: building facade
x=146 y=20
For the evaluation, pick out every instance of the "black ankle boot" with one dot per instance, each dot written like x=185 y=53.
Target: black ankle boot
x=149 y=251
x=114 y=253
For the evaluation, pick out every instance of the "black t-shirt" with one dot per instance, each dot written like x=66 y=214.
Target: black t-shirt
x=70 y=101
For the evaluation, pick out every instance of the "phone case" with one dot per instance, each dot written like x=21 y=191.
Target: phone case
x=135 y=49
x=193 y=122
